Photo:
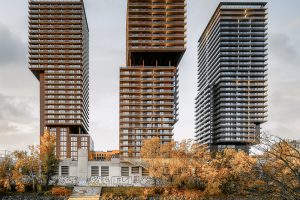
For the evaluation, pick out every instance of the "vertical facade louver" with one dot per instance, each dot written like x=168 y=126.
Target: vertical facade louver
x=232 y=77
x=59 y=58
x=148 y=84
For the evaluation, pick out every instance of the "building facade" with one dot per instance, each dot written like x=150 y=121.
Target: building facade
x=114 y=172
x=59 y=58
x=232 y=77
x=105 y=155
x=149 y=82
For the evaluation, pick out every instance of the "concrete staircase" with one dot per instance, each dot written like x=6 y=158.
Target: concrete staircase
x=86 y=193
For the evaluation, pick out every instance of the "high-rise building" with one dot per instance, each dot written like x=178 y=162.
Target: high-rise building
x=59 y=58
x=149 y=84
x=232 y=76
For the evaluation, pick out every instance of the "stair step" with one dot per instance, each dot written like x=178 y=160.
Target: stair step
x=84 y=198
x=86 y=193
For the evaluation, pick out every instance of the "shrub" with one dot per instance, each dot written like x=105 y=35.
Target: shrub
x=3 y=191
x=111 y=196
x=60 y=191
x=148 y=192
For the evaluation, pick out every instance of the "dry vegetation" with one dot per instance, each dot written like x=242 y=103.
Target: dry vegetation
x=29 y=171
x=185 y=165
x=182 y=170
x=60 y=191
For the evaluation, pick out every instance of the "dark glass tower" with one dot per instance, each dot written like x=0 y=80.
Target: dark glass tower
x=232 y=77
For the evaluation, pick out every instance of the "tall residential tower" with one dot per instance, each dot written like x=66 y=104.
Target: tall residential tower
x=59 y=58
x=148 y=84
x=232 y=76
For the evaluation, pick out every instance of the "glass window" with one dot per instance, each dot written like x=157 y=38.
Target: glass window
x=124 y=171
x=65 y=170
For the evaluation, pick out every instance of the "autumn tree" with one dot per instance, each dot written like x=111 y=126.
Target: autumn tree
x=187 y=164
x=18 y=172
x=22 y=168
x=6 y=166
x=172 y=162
x=151 y=154
x=279 y=166
x=151 y=148
x=49 y=162
x=229 y=172
x=26 y=168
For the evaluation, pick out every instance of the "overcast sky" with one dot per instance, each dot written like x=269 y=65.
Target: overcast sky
x=19 y=89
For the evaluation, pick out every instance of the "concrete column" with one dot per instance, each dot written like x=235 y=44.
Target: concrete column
x=82 y=169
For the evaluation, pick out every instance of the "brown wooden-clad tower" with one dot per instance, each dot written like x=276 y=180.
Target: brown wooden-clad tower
x=149 y=82
x=59 y=58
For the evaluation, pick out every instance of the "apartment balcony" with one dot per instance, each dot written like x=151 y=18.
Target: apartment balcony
x=55 y=46
x=55 y=62
x=156 y=10
x=242 y=110
x=75 y=42
x=63 y=72
x=56 y=56
x=66 y=117
x=53 y=36
x=157 y=41
x=159 y=48
x=142 y=126
x=70 y=32
x=54 y=26
x=150 y=16
x=55 y=21
x=244 y=89
x=63 y=122
x=252 y=115
x=146 y=121
x=58 y=16
x=67 y=108
x=147 y=103
x=138 y=29
x=141 y=73
x=148 y=79
x=54 y=11
x=245 y=104
x=255 y=67
x=66 y=51
x=146 y=109
x=151 y=23
x=59 y=87
x=235 y=27
x=223 y=22
x=171 y=35
x=241 y=99
x=241 y=95
x=139 y=114
x=63 y=83
x=146 y=91
x=57 y=6
x=241 y=55
x=235 y=140
x=175 y=4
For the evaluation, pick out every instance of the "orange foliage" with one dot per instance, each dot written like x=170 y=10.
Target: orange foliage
x=60 y=191
x=48 y=159
x=189 y=165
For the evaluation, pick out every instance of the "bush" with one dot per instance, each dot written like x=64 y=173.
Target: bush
x=111 y=196
x=148 y=192
x=60 y=191
x=3 y=191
